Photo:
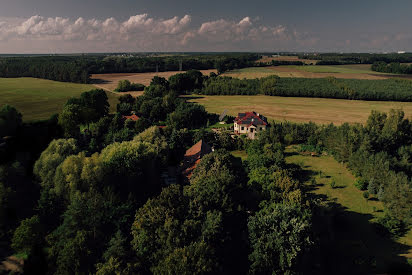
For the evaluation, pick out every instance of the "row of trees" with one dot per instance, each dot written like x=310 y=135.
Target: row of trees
x=385 y=90
x=393 y=68
x=78 y=68
x=357 y=58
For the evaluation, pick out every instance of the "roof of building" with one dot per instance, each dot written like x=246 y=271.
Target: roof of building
x=251 y=118
x=193 y=156
x=132 y=117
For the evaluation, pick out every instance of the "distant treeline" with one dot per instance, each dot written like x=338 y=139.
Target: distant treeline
x=393 y=68
x=357 y=58
x=384 y=90
x=78 y=68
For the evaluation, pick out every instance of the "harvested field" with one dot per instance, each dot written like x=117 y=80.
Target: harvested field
x=300 y=109
x=109 y=81
x=338 y=71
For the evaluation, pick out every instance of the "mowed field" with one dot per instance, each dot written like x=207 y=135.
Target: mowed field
x=300 y=109
x=109 y=81
x=39 y=98
x=361 y=71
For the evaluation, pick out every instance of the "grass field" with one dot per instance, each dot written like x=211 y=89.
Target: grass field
x=300 y=109
x=39 y=98
x=357 y=245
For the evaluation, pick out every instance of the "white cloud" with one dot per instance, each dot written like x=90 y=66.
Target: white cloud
x=140 y=33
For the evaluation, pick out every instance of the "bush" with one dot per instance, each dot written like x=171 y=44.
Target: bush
x=333 y=184
x=361 y=184
x=366 y=195
x=394 y=226
x=126 y=86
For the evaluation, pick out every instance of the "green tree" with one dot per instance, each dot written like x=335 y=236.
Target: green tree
x=10 y=121
x=27 y=235
x=279 y=235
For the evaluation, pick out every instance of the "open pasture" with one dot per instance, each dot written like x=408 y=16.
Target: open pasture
x=300 y=109
x=39 y=98
x=109 y=82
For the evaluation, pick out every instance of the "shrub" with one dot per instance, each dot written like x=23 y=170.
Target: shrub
x=366 y=195
x=361 y=184
x=333 y=184
x=394 y=226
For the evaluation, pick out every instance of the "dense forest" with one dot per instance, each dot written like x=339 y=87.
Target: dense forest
x=393 y=68
x=78 y=68
x=385 y=90
x=357 y=58
x=84 y=192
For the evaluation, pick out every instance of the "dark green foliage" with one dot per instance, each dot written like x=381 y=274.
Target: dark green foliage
x=10 y=121
x=393 y=68
x=126 y=86
x=27 y=236
x=394 y=226
x=187 y=115
x=186 y=82
x=385 y=90
x=279 y=234
x=357 y=58
x=361 y=184
x=79 y=68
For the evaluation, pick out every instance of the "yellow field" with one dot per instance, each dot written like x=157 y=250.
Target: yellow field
x=300 y=109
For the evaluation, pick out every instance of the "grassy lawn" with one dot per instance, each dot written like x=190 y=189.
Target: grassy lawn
x=357 y=245
x=300 y=109
x=39 y=98
x=240 y=154
x=251 y=73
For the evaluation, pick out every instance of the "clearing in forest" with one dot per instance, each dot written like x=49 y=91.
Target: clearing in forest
x=354 y=243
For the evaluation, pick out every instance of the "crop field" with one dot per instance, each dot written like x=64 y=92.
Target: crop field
x=358 y=246
x=338 y=71
x=39 y=98
x=109 y=81
x=300 y=109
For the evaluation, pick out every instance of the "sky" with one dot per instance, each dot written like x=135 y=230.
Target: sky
x=80 y=26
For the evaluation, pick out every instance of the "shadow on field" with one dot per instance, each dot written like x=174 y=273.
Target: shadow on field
x=348 y=242
x=99 y=81
x=193 y=97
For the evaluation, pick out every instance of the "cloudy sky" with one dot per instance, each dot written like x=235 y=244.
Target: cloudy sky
x=66 y=26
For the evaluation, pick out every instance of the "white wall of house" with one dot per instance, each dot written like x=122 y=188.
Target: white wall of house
x=244 y=129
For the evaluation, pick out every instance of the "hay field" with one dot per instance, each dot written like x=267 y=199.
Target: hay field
x=40 y=98
x=300 y=109
x=338 y=71
x=109 y=82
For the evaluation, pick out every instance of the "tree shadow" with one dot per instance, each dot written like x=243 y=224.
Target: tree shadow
x=348 y=242
x=193 y=97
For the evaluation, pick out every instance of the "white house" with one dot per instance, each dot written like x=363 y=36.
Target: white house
x=250 y=123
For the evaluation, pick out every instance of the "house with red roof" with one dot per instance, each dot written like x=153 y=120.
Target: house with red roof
x=250 y=123
x=132 y=117
x=193 y=157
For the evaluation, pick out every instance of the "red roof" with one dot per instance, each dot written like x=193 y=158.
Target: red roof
x=251 y=118
x=193 y=156
x=132 y=117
